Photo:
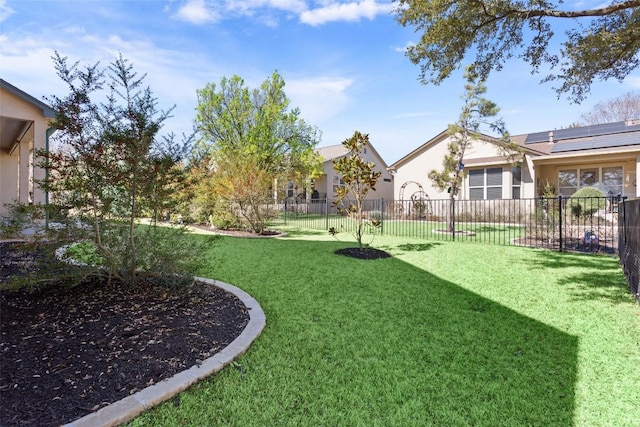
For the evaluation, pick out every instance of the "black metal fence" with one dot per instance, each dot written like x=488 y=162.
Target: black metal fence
x=588 y=224
x=629 y=243
x=608 y=225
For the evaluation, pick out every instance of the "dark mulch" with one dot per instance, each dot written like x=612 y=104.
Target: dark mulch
x=364 y=253
x=239 y=233
x=69 y=351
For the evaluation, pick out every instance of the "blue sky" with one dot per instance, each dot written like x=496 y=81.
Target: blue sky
x=342 y=61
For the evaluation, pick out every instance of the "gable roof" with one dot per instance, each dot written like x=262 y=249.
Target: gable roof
x=332 y=152
x=47 y=111
x=445 y=133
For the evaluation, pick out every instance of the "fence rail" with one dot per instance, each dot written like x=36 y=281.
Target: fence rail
x=629 y=243
x=588 y=224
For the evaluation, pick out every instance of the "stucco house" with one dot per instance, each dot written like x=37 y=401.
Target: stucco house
x=326 y=184
x=23 y=128
x=605 y=156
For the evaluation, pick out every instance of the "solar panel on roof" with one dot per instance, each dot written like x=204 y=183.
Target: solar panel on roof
x=582 y=132
x=602 y=141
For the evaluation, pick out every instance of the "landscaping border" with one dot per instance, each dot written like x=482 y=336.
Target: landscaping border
x=130 y=407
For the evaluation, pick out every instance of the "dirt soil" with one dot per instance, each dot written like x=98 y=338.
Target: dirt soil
x=66 y=352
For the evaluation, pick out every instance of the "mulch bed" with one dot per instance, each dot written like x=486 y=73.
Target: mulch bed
x=69 y=351
x=364 y=253
x=239 y=233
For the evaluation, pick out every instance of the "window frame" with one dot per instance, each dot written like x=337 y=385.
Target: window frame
x=488 y=187
x=516 y=185
x=337 y=182
x=589 y=176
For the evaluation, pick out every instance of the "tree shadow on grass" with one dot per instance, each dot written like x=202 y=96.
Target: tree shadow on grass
x=384 y=344
x=418 y=247
x=294 y=233
x=599 y=277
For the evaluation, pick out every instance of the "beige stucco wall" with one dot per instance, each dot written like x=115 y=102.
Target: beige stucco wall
x=16 y=169
x=384 y=188
x=481 y=154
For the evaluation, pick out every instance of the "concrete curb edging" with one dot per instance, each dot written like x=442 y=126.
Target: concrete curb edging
x=130 y=407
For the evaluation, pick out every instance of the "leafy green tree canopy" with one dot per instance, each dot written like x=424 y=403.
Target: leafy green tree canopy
x=606 y=47
x=252 y=141
x=235 y=120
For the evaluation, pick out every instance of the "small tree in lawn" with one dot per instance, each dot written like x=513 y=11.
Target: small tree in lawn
x=476 y=114
x=359 y=178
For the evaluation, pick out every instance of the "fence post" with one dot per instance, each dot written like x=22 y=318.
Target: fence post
x=382 y=215
x=453 y=218
x=560 y=220
x=622 y=219
x=326 y=212
x=285 y=211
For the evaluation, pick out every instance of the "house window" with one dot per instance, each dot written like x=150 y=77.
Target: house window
x=485 y=184
x=612 y=181
x=608 y=179
x=290 y=189
x=588 y=177
x=337 y=182
x=516 y=181
x=567 y=182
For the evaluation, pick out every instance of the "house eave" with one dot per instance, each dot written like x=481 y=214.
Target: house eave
x=586 y=155
x=47 y=111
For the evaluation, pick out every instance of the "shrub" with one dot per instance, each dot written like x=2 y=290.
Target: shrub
x=586 y=201
x=223 y=216
x=84 y=252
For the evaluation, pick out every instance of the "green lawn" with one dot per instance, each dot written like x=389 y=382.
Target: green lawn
x=442 y=333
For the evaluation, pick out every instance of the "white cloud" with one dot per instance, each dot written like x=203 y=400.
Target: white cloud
x=196 y=12
x=345 y=12
x=288 y=5
x=27 y=64
x=5 y=11
x=633 y=82
x=403 y=49
x=203 y=11
x=318 y=98
x=246 y=7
